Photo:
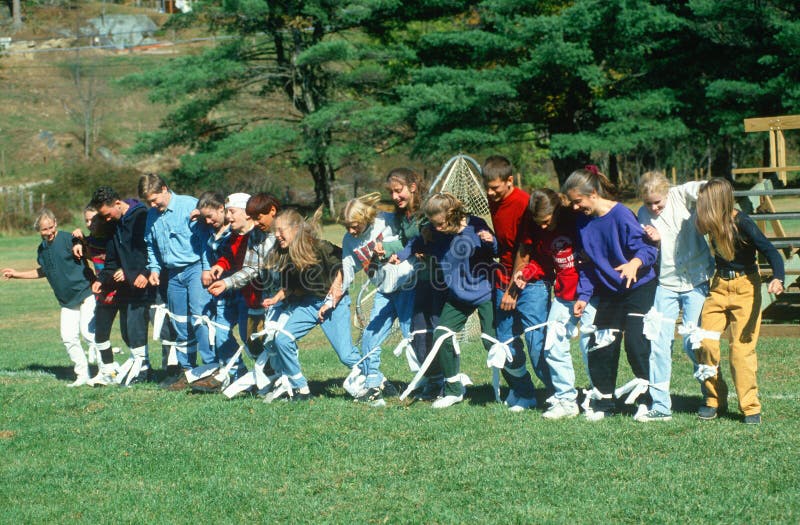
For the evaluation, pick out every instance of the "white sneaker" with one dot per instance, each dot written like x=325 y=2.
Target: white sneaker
x=80 y=381
x=105 y=376
x=561 y=409
x=521 y=404
x=447 y=401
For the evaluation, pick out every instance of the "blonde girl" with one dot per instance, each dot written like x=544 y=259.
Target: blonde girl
x=311 y=293
x=734 y=300
x=685 y=267
x=370 y=240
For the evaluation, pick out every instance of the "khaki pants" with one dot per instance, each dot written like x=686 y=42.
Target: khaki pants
x=735 y=303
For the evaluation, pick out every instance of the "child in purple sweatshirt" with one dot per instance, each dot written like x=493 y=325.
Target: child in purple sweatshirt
x=465 y=255
x=617 y=266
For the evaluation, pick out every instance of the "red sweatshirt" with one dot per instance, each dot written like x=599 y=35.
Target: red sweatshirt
x=232 y=260
x=554 y=250
x=508 y=217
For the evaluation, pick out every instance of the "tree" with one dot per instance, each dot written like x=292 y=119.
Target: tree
x=83 y=108
x=295 y=83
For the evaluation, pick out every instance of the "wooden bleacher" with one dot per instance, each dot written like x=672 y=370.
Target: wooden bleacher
x=781 y=314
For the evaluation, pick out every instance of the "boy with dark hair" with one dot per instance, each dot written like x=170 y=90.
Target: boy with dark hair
x=125 y=271
x=247 y=264
x=515 y=309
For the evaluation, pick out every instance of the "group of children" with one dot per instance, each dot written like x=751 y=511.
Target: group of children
x=219 y=262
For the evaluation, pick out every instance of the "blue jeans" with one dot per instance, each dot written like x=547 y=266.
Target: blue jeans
x=558 y=358
x=302 y=319
x=186 y=297
x=385 y=309
x=669 y=303
x=533 y=303
x=231 y=311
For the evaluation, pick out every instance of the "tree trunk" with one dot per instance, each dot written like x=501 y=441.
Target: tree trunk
x=16 y=14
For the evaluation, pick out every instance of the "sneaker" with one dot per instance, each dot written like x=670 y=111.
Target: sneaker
x=707 y=413
x=652 y=415
x=521 y=404
x=447 y=401
x=103 y=379
x=142 y=377
x=300 y=397
x=561 y=409
x=753 y=419
x=208 y=385
x=372 y=397
x=388 y=389
x=175 y=383
x=599 y=410
x=80 y=381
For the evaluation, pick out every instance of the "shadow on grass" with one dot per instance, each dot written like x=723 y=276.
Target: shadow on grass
x=62 y=373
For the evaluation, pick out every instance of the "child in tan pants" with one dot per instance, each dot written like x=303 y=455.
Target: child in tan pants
x=734 y=300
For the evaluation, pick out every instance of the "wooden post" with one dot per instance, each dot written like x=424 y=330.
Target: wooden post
x=781 y=155
x=674 y=176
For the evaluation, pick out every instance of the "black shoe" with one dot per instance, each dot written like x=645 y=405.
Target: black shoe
x=707 y=413
x=298 y=397
x=388 y=389
x=754 y=419
x=143 y=376
x=373 y=397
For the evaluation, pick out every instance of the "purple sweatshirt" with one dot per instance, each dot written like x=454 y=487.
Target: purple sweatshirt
x=607 y=242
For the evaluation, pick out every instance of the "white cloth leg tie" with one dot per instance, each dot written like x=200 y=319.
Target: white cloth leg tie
x=430 y=357
x=695 y=334
x=602 y=337
x=405 y=346
x=212 y=325
x=634 y=388
x=653 y=322
x=355 y=380
x=499 y=354
x=223 y=374
x=704 y=372
x=556 y=333
x=161 y=313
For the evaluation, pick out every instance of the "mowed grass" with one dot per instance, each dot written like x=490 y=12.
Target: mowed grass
x=147 y=456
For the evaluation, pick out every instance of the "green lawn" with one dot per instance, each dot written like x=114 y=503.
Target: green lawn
x=117 y=455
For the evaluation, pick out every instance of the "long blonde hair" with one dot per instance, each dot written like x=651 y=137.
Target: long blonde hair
x=361 y=210
x=715 y=213
x=301 y=251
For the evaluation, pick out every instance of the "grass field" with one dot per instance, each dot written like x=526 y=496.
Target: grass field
x=142 y=455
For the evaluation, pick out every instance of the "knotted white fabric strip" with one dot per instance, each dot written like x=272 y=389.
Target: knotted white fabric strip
x=704 y=372
x=695 y=334
x=355 y=380
x=499 y=354
x=212 y=325
x=161 y=313
x=430 y=357
x=602 y=338
x=634 y=388
x=405 y=346
x=653 y=322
